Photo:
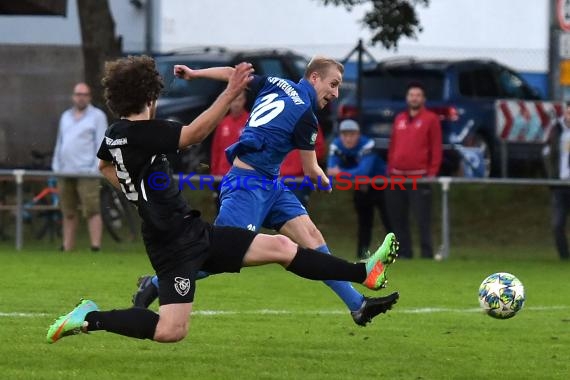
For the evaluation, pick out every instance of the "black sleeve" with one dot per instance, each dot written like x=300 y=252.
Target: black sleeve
x=305 y=132
x=156 y=136
x=103 y=152
x=256 y=84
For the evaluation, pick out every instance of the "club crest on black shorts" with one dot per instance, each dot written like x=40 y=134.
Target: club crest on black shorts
x=182 y=285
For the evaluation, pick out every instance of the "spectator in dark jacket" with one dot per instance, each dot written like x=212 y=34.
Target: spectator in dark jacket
x=557 y=159
x=415 y=149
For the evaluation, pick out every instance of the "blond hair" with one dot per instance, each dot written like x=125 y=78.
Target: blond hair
x=321 y=65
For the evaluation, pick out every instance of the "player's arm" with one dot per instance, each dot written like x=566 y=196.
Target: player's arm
x=205 y=123
x=217 y=73
x=304 y=138
x=312 y=169
x=110 y=173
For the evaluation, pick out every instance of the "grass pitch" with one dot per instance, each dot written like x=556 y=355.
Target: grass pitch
x=268 y=324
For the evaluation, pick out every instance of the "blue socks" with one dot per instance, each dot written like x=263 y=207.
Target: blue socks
x=344 y=289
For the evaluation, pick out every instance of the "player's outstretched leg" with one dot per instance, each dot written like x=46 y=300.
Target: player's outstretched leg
x=170 y=326
x=303 y=231
x=315 y=265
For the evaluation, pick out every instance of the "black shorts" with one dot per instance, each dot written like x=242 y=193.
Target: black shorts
x=199 y=247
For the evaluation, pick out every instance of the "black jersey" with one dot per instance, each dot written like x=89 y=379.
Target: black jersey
x=138 y=151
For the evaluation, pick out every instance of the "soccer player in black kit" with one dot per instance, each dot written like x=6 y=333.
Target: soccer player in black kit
x=178 y=242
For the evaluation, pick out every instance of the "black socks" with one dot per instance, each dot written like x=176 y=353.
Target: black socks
x=316 y=265
x=135 y=322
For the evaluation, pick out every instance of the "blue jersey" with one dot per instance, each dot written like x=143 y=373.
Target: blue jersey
x=282 y=119
x=360 y=160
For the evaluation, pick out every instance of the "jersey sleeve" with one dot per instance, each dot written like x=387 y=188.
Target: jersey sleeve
x=157 y=136
x=305 y=132
x=103 y=152
x=257 y=84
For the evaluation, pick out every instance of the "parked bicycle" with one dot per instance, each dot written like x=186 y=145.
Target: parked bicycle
x=118 y=214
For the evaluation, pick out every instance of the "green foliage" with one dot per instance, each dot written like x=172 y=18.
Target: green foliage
x=389 y=20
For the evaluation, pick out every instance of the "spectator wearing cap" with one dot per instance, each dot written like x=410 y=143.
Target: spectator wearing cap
x=353 y=153
x=415 y=149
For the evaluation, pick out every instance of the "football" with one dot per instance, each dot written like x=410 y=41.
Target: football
x=501 y=295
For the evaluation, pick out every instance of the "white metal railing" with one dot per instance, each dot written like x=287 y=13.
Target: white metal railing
x=19 y=175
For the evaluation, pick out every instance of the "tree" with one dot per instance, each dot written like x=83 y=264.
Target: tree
x=389 y=20
x=99 y=43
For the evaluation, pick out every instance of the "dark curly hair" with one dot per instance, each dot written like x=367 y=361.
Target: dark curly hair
x=131 y=83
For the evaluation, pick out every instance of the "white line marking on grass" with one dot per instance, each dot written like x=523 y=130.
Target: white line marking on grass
x=23 y=315
x=421 y=310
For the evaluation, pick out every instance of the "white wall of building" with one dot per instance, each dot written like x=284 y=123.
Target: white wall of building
x=512 y=31
x=56 y=30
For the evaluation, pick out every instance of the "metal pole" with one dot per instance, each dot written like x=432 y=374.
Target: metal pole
x=445 y=185
x=19 y=177
x=504 y=159
x=359 y=83
x=149 y=26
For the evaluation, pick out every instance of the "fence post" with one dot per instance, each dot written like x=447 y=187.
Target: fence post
x=445 y=185
x=19 y=177
x=504 y=159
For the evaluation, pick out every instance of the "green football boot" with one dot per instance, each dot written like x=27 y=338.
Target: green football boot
x=72 y=323
x=378 y=263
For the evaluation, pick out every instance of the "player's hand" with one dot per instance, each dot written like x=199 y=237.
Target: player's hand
x=324 y=184
x=183 y=72
x=240 y=78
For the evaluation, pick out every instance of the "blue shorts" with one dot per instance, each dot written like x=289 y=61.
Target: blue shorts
x=249 y=200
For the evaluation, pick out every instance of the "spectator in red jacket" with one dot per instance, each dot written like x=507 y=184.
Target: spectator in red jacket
x=227 y=133
x=292 y=166
x=415 y=149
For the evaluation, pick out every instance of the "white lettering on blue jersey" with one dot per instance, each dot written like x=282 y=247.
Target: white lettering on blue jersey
x=287 y=88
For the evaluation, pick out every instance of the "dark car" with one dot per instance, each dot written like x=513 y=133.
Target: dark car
x=462 y=92
x=185 y=100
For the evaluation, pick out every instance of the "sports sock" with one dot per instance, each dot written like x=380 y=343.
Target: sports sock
x=316 y=265
x=135 y=322
x=343 y=289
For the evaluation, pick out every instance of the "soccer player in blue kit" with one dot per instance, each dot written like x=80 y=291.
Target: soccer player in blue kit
x=282 y=119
